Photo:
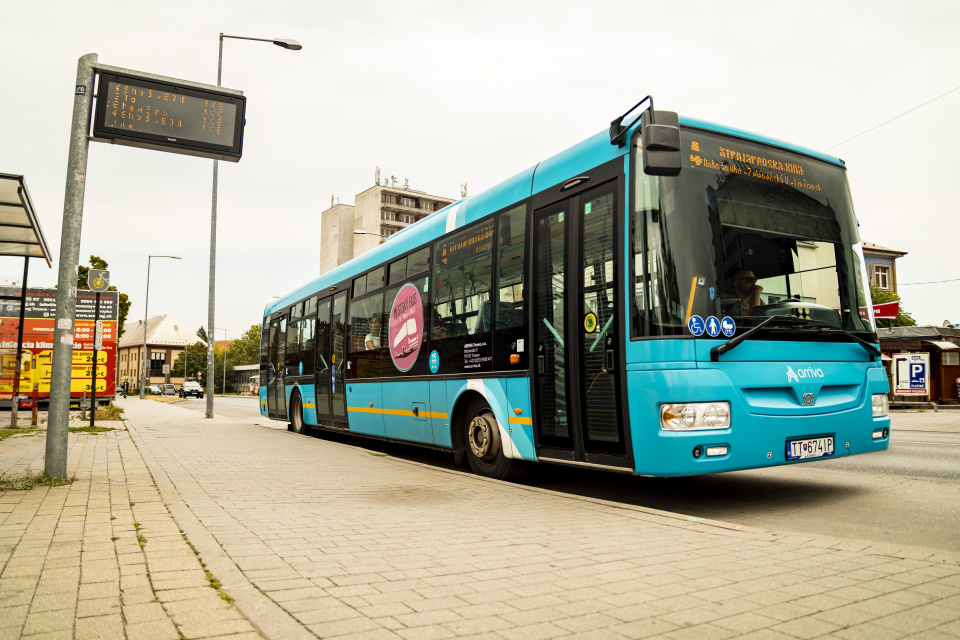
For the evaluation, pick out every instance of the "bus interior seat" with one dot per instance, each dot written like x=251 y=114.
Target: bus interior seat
x=508 y=315
x=454 y=328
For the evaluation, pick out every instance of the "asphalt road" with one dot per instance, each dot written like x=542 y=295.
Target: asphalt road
x=905 y=495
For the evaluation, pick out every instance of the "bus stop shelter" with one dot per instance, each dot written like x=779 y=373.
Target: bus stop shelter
x=20 y=236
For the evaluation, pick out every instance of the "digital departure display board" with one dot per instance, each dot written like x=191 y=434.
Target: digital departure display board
x=147 y=113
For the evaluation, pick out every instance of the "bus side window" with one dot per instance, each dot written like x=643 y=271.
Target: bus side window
x=366 y=333
x=293 y=348
x=461 y=309
x=509 y=352
x=511 y=246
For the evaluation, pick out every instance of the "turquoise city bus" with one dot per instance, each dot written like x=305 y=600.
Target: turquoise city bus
x=669 y=297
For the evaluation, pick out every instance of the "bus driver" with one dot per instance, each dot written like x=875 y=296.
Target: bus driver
x=745 y=288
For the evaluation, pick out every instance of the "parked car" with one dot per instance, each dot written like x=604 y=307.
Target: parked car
x=191 y=389
x=169 y=389
x=154 y=390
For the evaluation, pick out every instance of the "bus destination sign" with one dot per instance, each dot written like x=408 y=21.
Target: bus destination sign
x=147 y=113
x=747 y=162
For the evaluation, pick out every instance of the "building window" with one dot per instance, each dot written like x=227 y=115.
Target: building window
x=950 y=358
x=157 y=360
x=881 y=276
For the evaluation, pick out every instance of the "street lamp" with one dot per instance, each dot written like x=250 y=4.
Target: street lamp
x=286 y=43
x=358 y=232
x=146 y=305
x=224 y=387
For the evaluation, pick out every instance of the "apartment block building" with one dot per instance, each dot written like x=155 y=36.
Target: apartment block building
x=376 y=214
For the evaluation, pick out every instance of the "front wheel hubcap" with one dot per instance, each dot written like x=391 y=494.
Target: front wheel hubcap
x=481 y=438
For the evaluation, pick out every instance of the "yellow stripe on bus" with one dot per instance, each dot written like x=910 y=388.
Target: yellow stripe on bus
x=398 y=412
x=521 y=420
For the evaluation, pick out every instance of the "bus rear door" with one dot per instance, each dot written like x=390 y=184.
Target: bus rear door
x=276 y=399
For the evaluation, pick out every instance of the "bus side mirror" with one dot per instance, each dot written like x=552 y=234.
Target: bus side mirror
x=660 y=134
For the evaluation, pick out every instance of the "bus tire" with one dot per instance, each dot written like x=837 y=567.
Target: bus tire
x=296 y=414
x=483 y=447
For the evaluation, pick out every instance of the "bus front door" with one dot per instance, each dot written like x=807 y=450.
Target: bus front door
x=576 y=365
x=331 y=361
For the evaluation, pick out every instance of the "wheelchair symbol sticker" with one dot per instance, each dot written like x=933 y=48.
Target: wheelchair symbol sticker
x=696 y=326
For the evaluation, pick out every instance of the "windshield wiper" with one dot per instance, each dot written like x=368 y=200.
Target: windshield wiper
x=732 y=343
x=863 y=343
x=721 y=349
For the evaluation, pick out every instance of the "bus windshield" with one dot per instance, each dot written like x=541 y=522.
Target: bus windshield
x=746 y=231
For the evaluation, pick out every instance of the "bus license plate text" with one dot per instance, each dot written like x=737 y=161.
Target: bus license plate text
x=811 y=448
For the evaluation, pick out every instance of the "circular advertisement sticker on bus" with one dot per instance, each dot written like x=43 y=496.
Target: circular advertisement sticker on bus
x=406 y=327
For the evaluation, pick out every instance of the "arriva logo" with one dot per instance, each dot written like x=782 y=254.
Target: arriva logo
x=809 y=372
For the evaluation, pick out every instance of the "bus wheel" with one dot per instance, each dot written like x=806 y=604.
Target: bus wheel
x=296 y=414
x=484 y=449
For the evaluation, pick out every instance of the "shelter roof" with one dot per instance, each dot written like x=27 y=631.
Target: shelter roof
x=20 y=231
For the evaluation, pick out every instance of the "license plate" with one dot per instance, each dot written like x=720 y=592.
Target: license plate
x=809 y=448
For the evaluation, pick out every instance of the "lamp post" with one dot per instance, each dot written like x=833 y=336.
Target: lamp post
x=382 y=237
x=146 y=306
x=224 y=387
x=286 y=43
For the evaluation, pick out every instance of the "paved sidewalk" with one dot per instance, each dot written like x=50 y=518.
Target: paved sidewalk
x=315 y=538
x=102 y=557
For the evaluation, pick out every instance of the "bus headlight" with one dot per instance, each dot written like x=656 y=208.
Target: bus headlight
x=695 y=416
x=881 y=406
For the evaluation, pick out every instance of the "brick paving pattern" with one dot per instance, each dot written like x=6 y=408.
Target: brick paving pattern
x=316 y=538
x=73 y=565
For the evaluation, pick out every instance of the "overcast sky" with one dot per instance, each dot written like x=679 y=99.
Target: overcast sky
x=449 y=92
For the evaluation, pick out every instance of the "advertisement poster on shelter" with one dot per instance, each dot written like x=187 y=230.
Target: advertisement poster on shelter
x=37 y=357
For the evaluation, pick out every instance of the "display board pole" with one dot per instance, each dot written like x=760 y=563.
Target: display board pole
x=55 y=464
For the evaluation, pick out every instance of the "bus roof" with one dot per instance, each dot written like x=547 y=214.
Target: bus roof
x=589 y=153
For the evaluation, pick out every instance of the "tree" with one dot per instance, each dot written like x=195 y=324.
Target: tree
x=246 y=349
x=202 y=333
x=196 y=361
x=123 y=302
x=219 y=356
x=879 y=296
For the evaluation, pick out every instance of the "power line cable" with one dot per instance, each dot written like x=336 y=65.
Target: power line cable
x=893 y=118
x=904 y=284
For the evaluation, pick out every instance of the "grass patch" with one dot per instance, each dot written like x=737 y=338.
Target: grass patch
x=141 y=540
x=379 y=455
x=109 y=412
x=212 y=579
x=91 y=430
x=6 y=433
x=28 y=480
